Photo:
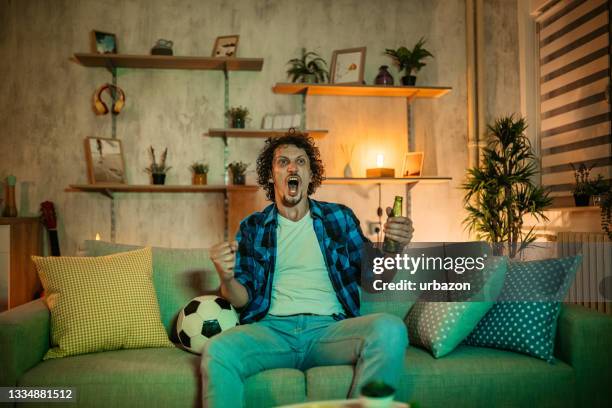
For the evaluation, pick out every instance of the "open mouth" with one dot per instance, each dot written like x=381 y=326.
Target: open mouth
x=293 y=182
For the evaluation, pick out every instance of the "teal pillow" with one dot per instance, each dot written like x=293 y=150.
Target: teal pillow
x=179 y=275
x=525 y=317
x=441 y=326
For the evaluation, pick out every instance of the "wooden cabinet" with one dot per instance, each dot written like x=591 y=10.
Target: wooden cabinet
x=19 y=239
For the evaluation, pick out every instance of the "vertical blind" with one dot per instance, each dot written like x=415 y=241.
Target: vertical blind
x=574 y=69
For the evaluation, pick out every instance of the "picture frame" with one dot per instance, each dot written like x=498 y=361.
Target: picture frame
x=413 y=164
x=347 y=66
x=105 y=161
x=226 y=46
x=103 y=43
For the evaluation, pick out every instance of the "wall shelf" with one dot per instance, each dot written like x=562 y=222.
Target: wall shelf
x=360 y=90
x=168 y=62
x=385 y=180
x=590 y=208
x=109 y=189
x=259 y=133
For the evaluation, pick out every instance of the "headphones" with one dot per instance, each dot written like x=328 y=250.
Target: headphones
x=100 y=107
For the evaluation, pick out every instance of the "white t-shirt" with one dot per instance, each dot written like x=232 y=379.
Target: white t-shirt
x=301 y=281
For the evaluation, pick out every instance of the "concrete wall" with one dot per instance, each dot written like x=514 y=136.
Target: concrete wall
x=45 y=108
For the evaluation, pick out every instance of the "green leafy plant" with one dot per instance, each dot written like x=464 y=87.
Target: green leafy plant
x=606 y=212
x=239 y=112
x=238 y=168
x=585 y=185
x=309 y=68
x=500 y=192
x=199 y=168
x=155 y=167
x=410 y=60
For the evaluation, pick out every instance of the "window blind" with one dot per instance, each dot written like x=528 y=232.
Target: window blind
x=574 y=69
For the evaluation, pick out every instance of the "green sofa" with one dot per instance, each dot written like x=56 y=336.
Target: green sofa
x=468 y=377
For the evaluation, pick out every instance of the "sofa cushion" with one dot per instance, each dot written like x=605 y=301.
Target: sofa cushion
x=102 y=303
x=441 y=326
x=179 y=275
x=153 y=378
x=525 y=317
x=468 y=377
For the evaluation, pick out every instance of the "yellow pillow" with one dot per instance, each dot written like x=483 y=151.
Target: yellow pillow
x=101 y=303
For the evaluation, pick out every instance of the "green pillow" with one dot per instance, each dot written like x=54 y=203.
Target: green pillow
x=179 y=275
x=101 y=303
x=525 y=317
x=441 y=326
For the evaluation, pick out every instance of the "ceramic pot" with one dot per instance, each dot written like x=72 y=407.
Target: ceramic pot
x=159 y=178
x=198 y=179
x=409 y=80
x=239 y=179
x=581 y=200
x=238 y=123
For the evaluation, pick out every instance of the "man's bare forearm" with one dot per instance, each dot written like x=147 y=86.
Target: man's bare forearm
x=235 y=293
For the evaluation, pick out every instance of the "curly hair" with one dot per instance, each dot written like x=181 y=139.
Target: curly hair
x=299 y=140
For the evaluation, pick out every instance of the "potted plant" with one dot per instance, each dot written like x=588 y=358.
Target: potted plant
x=238 y=116
x=238 y=170
x=606 y=212
x=200 y=170
x=310 y=68
x=585 y=186
x=500 y=192
x=410 y=61
x=158 y=170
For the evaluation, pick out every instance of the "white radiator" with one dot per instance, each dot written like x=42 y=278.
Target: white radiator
x=596 y=250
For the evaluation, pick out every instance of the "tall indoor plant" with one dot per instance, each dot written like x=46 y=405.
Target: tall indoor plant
x=500 y=192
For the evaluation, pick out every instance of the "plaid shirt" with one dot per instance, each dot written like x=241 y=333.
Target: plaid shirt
x=340 y=238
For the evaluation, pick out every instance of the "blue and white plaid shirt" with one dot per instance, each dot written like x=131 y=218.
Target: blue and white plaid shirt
x=341 y=241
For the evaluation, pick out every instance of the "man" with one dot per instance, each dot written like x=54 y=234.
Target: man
x=294 y=275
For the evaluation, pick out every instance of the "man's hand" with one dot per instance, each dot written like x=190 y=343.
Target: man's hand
x=398 y=229
x=223 y=256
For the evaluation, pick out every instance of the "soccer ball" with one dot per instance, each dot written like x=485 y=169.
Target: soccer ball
x=202 y=318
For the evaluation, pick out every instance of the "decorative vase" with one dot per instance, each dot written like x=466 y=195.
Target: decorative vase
x=198 y=179
x=581 y=200
x=10 y=209
x=159 y=178
x=348 y=172
x=409 y=80
x=238 y=123
x=383 y=77
x=239 y=179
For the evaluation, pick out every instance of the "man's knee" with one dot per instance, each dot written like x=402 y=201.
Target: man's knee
x=388 y=329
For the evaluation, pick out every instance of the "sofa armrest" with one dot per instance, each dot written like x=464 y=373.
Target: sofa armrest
x=584 y=340
x=24 y=340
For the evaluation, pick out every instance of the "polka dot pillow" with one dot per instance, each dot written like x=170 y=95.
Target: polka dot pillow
x=441 y=326
x=525 y=317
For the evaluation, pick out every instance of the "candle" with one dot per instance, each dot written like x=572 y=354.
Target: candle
x=97 y=236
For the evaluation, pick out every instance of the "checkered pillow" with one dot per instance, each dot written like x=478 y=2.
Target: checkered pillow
x=101 y=303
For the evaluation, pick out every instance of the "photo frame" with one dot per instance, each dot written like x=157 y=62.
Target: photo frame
x=226 y=46
x=105 y=162
x=413 y=164
x=103 y=43
x=347 y=66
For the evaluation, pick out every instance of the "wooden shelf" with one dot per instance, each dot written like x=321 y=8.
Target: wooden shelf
x=590 y=208
x=255 y=133
x=168 y=62
x=360 y=90
x=385 y=180
x=108 y=189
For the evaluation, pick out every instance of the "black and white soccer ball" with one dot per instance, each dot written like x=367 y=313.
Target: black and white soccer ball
x=202 y=318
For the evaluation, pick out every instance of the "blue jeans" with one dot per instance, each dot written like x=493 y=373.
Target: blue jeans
x=375 y=344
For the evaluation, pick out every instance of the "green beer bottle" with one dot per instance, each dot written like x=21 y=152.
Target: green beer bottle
x=390 y=245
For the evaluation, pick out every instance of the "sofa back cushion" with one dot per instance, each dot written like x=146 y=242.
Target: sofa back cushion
x=179 y=275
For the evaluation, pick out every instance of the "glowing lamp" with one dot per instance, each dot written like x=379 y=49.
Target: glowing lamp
x=97 y=236
x=380 y=171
